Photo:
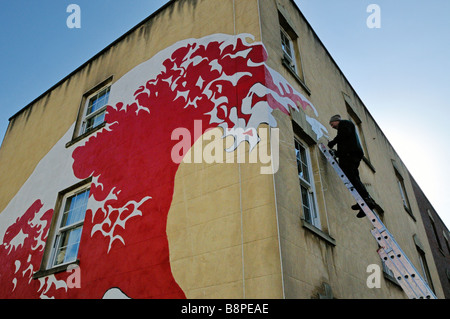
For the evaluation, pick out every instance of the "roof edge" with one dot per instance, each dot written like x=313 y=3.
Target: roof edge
x=123 y=36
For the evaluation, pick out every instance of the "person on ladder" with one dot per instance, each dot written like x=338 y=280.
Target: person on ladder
x=350 y=153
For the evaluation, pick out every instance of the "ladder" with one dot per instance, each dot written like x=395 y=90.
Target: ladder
x=390 y=252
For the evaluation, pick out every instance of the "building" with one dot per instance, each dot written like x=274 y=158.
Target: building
x=438 y=237
x=145 y=172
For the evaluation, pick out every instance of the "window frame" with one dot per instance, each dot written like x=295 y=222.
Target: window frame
x=79 y=132
x=308 y=185
x=84 y=129
x=403 y=194
x=355 y=119
x=435 y=232
x=423 y=263
x=45 y=269
x=290 y=58
x=359 y=132
x=446 y=241
x=58 y=229
x=388 y=274
x=293 y=61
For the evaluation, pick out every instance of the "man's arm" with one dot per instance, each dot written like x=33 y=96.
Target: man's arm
x=344 y=133
x=332 y=143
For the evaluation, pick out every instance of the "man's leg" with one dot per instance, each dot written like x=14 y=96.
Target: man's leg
x=350 y=168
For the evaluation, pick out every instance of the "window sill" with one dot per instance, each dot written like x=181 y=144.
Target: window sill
x=391 y=279
x=409 y=212
x=367 y=161
x=295 y=75
x=316 y=231
x=84 y=135
x=54 y=270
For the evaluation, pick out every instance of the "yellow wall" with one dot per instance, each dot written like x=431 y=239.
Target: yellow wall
x=307 y=260
x=226 y=219
x=221 y=227
x=222 y=231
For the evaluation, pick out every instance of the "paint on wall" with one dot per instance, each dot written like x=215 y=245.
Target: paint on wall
x=220 y=80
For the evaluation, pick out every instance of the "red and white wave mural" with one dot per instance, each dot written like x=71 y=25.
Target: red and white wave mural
x=221 y=80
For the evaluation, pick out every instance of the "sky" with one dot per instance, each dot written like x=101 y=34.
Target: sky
x=401 y=70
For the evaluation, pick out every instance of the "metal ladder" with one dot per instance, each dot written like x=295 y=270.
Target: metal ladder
x=390 y=252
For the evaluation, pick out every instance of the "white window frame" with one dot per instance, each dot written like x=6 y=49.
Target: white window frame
x=446 y=241
x=388 y=273
x=307 y=187
x=401 y=186
x=424 y=268
x=99 y=112
x=423 y=263
x=59 y=230
x=289 y=56
x=359 y=134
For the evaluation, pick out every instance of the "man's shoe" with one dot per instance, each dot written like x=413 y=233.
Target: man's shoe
x=355 y=207
x=361 y=214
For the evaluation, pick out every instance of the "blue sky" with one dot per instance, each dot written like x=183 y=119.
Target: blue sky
x=401 y=71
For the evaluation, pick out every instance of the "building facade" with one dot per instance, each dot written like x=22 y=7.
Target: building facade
x=182 y=162
x=438 y=237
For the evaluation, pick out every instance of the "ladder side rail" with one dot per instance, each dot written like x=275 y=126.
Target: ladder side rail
x=404 y=271
x=373 y=218
x=395 y=259
x=399 y=256
x=405 y=285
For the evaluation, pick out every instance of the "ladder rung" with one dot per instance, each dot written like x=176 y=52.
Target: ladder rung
x=407 y=287
x=390 y=252
x=411 y=282
x=400 y=257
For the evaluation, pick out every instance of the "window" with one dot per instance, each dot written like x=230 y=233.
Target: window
x=424 y=267
x=355 y=119
x=91 y=114
x=433 y=225
x=446 y=241
x=94 y=113
x=388 y=274
x=308 y=197
x=423 y=262
x=68 y=228
x=403 y=194
x=359 y=132
x=288 y=50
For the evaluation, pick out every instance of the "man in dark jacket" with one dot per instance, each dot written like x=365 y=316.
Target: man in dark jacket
x=350 y=153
